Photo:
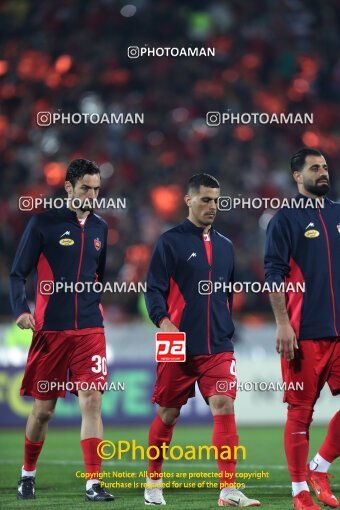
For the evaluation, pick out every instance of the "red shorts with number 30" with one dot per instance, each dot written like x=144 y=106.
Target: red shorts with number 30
x=76 y=357
x=215 y=374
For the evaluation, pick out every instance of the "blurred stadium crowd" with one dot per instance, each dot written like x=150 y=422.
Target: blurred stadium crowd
x=71 y=56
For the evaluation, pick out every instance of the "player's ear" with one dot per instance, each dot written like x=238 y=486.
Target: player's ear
x=68 y=187
x=187 y=200
x=297 y=176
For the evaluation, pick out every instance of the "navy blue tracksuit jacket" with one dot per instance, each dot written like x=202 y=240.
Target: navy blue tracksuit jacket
x=178 y=264
x=303 y=245
x=59 y=249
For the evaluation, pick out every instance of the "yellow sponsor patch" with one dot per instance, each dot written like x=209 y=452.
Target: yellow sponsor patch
x=66 y=242
x=312 y=233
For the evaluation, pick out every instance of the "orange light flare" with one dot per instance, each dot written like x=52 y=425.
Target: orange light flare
x=70 y=80
x=3 y=67
x=222 y=43
x=33 y=65
x=54 y=173
x=208 y=88
x=112 y=236
x=250 y=61
x=117 y=77
x=4 y=125
x=239 y=301
x=269 y=103
x=63 y=64
x=309 y=67
x=53 y=80
x=230 y=75
x=295 y=95
x=166 y=200
x=253 y=321
x=244 y=133
x=325 y=142
x=138 y=254
x=8 y=90
x=301 y=85
x=310 y=139
x=168 y=158
x=298 y=89
x=248 y=66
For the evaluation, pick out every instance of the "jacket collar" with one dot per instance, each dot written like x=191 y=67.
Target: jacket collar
x=71 y=215
x=190 y=227
x=311 y=200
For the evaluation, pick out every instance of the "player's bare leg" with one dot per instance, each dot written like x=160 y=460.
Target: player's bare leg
x=225 y=434
x=38 y=419
x=36 y=429
x=91 y=434
x=160 y=432
x=90 y=403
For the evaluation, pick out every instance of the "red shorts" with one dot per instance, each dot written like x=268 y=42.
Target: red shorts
x=215 y=374
x=65 y=360
x=316 y=362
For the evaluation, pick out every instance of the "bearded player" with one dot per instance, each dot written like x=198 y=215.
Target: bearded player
x=176 y=300
x=303 y=245
x=64 y=245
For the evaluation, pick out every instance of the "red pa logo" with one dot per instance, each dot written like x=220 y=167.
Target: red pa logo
x=170 y=346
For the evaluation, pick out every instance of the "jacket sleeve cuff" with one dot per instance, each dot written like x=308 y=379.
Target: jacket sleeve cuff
x=23 y=313
x=276 y=279
x=162 y=319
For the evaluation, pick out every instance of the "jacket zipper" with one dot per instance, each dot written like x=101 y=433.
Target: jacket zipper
x=209 y=295
x=329 y=271
x=78 y=274
x=208 y=318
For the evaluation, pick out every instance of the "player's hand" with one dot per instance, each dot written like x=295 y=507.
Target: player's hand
x=286 y=341
x=26 y=321
x=168 y=327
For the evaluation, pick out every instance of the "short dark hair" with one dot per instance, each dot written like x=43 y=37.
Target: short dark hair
x=203 y=179
x=78 y=168
x=299 y=158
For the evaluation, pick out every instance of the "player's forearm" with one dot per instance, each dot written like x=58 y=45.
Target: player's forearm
x=278 y=304
x=155 y=304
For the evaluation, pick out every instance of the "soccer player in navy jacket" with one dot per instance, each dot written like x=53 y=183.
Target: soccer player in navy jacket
x=65 y=245
x=184 y=256
x=303 y=245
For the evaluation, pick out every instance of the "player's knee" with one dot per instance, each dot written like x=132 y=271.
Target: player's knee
x=221 y=405
x=169 y=416
x=91 y=402
x=43 y=415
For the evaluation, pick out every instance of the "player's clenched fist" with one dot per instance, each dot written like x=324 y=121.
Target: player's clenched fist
x=286 y=341
x=167 y=326
x=26 y=321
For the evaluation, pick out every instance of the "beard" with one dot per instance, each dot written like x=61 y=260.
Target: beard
x=317 y=189
x=86 y=208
